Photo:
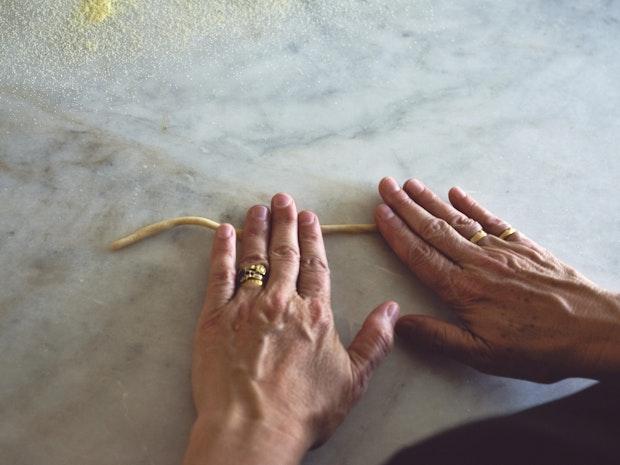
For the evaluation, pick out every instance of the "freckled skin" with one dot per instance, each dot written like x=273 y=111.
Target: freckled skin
x=523 y=313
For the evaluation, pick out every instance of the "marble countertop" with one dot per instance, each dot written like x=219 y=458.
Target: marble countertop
x=516 y=101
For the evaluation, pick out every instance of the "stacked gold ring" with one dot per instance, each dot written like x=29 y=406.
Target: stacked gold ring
x=509 y=231
x=254 y=275
x=478 y=236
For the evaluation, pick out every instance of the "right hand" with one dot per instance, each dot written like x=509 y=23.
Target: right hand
x=522 y=312
x=270 y=375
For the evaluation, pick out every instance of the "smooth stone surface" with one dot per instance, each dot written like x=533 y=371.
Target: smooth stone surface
x=517 y=102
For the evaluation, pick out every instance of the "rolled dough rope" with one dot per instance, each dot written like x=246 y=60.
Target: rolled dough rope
x=156 y=228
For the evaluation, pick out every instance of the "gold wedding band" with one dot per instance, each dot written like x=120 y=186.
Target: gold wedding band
x=476 y=237
x=253 y=275
x=507 y=232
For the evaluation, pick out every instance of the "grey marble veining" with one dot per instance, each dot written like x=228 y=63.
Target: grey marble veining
x=516 y=102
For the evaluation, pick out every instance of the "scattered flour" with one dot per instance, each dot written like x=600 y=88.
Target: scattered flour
x=69 y=47
x=48 y=42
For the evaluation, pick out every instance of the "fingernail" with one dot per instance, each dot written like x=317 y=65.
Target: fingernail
x=414 y=186
x=458 y=192
x=391 y=312
x=390 y=185
x=385 y=212
x=281 y=200
x=224 y=231
x=259 y=212
x=306 y=218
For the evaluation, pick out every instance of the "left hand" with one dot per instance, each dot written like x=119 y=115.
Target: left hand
x=270 y=376
x=522 y=312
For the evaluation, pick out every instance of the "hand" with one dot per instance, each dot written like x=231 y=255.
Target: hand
x=270 y=376
x=522 y=312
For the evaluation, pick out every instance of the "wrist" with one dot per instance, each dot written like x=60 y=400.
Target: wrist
x=604 y=351
x=244 y=442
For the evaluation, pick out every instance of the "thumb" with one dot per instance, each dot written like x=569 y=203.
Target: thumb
x=372 y=344
x=436 y=335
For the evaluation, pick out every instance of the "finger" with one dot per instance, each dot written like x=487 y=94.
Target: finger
x=372 y=344
x=436 y=335
x=254 y=242
x=491 y=223
x=284 y=245
x=221 y=284
x=428 y=200
x=313 y=271
x=433 y=230
x=429 y=265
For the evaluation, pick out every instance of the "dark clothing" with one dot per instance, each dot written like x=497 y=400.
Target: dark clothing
x=583 y=429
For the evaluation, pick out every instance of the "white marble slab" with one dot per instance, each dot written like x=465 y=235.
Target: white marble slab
x=516 y=101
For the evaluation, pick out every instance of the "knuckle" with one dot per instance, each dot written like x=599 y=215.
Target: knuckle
x=323 y=323
x=314 y=264
x=569 y=272
x=435 y=228
x=284 y=252
x=503 y=260
x=253 y=258
x=319 y=317
x=277 y=301
x=222 y=276
x=464 y=223
x=516 y=256
x=542 y=256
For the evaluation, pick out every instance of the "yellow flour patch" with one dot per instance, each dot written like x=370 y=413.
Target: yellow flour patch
x=97 y=11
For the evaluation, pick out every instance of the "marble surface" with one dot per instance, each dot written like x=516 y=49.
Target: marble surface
x=516 y=101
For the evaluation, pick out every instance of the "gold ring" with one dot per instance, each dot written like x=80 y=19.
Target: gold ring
x=262 y=269
x=252 y=282
x=479 y=235
x=507 y=232
x=254 y=275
